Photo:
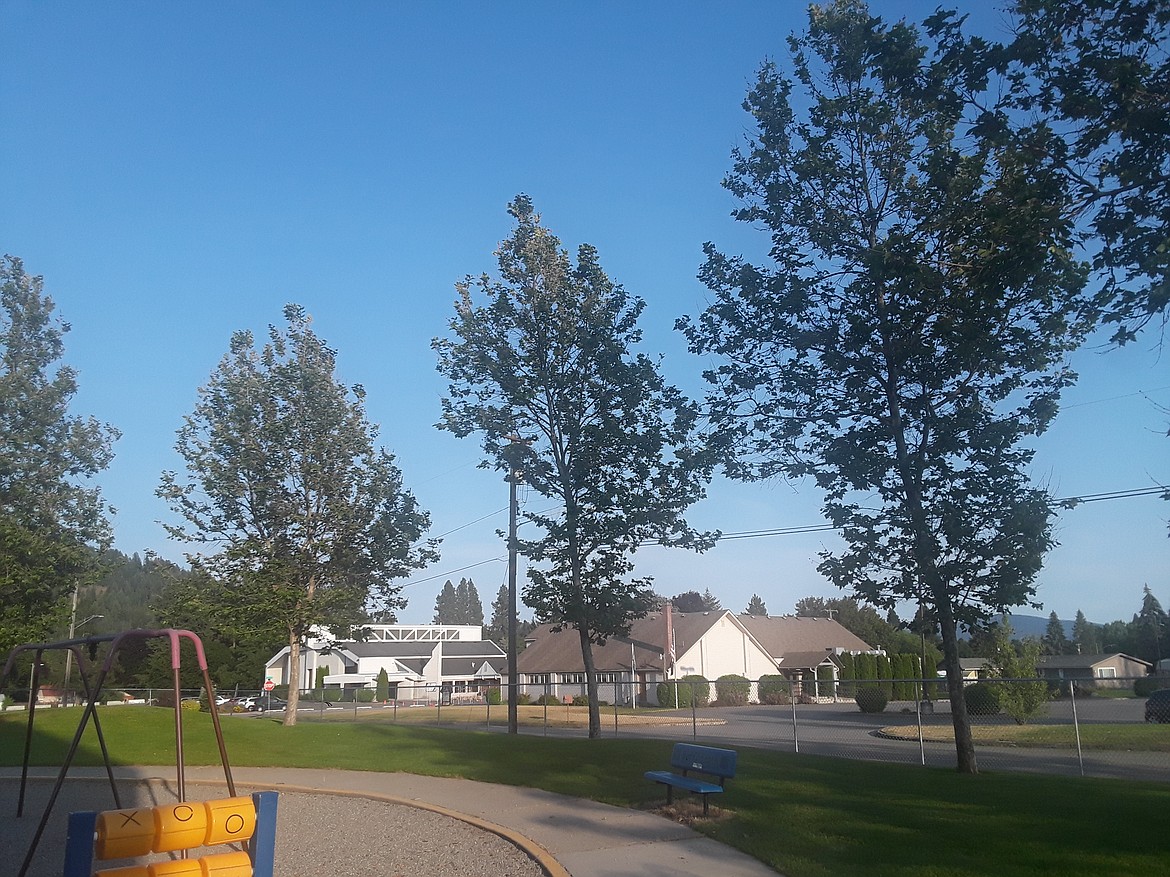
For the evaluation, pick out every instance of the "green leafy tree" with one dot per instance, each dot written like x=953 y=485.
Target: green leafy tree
x=910 y=333
x=1022 y=693
x=309 y=522
x=1096 y=74
x=546 y=353
x=1054 y=641
x=756 y=606
x=52 y=522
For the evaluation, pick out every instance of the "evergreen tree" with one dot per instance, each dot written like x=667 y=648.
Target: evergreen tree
x=446 y=605
x=1054 y=641
x=1150 y=628
x=1086 y=636
x=756 y=606
x=470 y=609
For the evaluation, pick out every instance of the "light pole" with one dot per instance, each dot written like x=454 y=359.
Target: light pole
x=73 y=626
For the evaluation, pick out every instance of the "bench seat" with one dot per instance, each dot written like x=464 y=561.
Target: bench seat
x=718 y=764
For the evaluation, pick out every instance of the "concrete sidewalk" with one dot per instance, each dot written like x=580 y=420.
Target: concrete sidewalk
x=567 y=836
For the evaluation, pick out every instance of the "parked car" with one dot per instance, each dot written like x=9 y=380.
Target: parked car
x=1158 y=706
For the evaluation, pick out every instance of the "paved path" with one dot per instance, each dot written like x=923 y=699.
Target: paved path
x=566 y=836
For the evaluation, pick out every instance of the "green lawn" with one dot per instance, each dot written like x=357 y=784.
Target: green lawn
x=804 y=815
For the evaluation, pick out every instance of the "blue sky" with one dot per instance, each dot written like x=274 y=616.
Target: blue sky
x=180 y=171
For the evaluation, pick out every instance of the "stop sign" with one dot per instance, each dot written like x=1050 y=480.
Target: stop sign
x=269 y=685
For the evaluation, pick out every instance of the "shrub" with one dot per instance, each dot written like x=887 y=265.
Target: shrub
x=492 y=695
x=871 y=698
x=581 y=700
x=732 y=690
x=981 y=699
x=1144 y=686
x=691 y=689
x=548 y=699
x=366 y=695
x=523 y=697
x=187 y=705
x=775 y=690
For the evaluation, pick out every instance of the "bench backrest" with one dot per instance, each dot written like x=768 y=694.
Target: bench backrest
x=706 y=759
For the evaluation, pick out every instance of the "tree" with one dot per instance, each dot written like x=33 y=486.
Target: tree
x=470 y=609
x=1150 y=628
x=1022 y=693
x=910 y=333
x=51 y=523
x=309 y=521
x=1097 y=72
x=547 y=357
x=1054 y=641
x=756 y=606
x=445 y=605
x=1086 y=636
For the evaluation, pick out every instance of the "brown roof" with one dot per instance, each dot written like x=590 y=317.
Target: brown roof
x=782 y=637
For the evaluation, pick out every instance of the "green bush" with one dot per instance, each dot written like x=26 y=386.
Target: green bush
x=366 y=695
x=492 y=695
x=981 y=699
x=871 y=698
x=775 y=690
x=1143 y=687
x=690 y=688
x=732 y=689
x=581 y=700
x=186 y=705
x=523 y=698
x=548 y=700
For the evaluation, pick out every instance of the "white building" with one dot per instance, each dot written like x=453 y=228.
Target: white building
x=421 y=661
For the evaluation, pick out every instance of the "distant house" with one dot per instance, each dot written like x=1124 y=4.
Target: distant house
x=708 y=644
x=1114 y=670
x=422 y=662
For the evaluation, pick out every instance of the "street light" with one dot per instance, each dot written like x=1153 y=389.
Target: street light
x=73 y=626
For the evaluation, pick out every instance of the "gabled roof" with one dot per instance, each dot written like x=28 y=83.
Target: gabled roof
x=782 y=635
x=805 y=660
x=1070 y=662
x=377 y=649
x=471 y=649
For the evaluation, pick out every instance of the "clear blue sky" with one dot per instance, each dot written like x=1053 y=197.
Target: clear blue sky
x=180 y=171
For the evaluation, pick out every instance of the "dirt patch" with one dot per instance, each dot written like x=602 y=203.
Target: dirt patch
x=689 y=812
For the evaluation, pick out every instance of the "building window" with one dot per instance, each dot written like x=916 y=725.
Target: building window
x=607 y=678
x=538 y=679
x=1106 y=672
x=573 y=678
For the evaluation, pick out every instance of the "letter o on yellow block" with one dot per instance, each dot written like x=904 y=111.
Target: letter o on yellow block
x=227 y=865
x=180 y=826
x=123 y=834
x=230 y=820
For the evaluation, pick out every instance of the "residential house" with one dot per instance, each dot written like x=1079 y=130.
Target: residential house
x=708 y=644
x=422 y=662
x=1114 y=670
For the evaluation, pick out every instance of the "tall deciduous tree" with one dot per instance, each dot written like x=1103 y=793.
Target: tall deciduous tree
x=1097 y=74
x=910 y=331
x=310 y=522
x=51 y=520
x=546 y=353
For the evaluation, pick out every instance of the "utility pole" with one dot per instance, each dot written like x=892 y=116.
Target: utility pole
x=513 y=701
x=514 y=477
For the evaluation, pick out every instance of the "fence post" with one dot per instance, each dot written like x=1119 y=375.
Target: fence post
x=919 y=686
x=615 y=717
x=694 y=714
x=1072 y=696
x=544 y=700
x=792 y=697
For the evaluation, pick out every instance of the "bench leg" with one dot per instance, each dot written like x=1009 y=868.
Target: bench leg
x=704 y=803
x=669 y=794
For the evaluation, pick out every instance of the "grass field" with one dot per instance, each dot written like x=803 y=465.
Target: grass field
x=804 y=815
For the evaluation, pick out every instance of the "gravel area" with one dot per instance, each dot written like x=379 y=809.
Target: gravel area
x=316 y=835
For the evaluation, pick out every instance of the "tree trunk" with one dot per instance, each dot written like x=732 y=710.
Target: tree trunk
x=294 y=680
x=964 y=744
x=590 y=682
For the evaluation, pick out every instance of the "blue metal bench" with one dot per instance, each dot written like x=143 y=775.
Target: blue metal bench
x=688 y=757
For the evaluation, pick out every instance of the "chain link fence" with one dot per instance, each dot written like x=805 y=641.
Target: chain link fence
x=1081 y=727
